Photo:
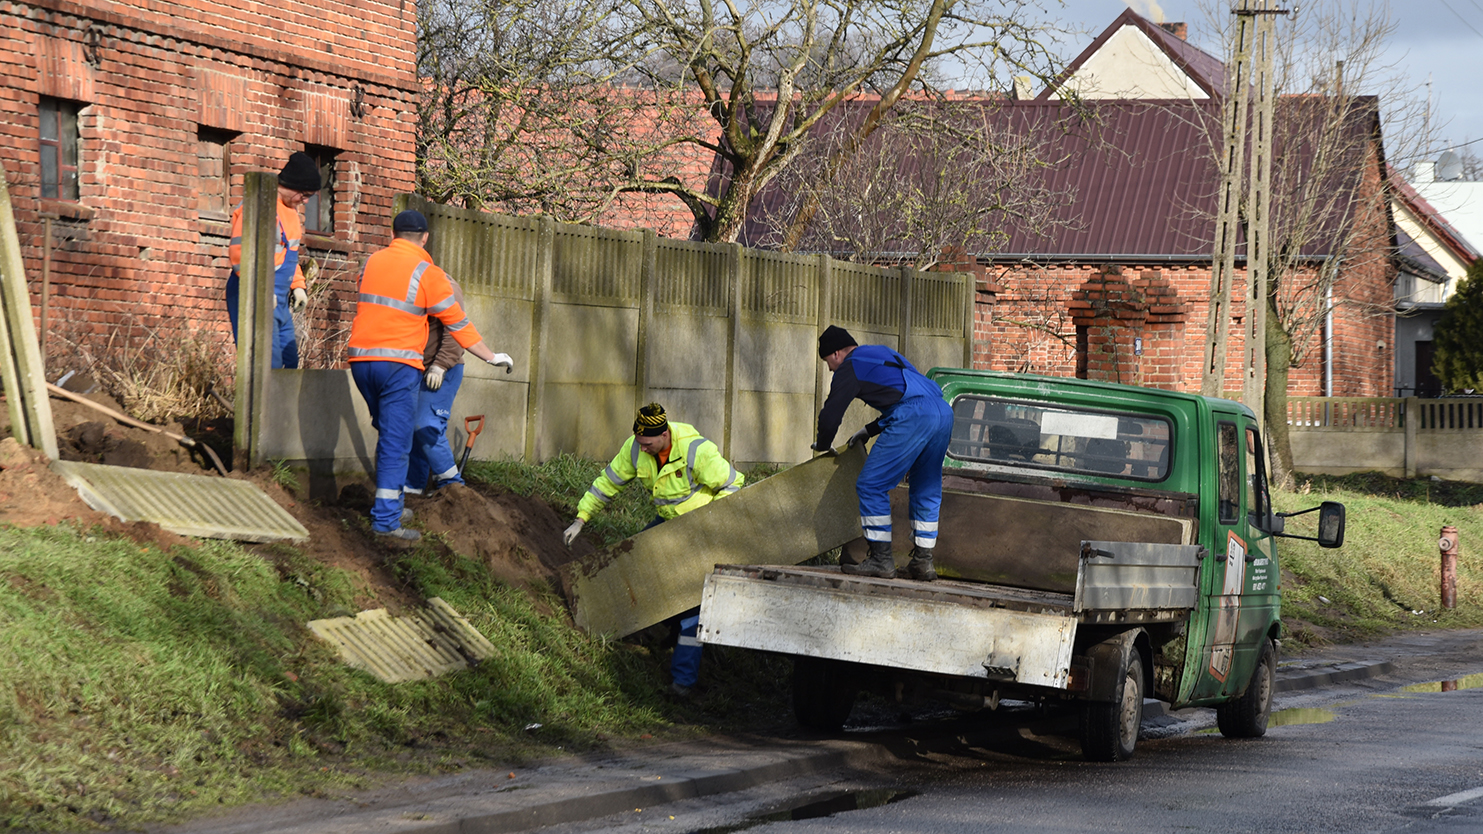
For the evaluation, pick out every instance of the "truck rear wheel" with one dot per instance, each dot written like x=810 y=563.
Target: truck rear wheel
x=1247 y=716
x=823 y=693
x=1109 y=731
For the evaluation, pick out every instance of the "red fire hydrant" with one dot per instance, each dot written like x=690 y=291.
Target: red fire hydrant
x=1450 y=548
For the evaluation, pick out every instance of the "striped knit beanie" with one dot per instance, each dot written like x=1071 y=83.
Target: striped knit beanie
x=651 y=421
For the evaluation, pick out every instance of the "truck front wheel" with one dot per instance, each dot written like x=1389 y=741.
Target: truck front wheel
x=1247 y=716
x=1109 y=731
x=823 y=693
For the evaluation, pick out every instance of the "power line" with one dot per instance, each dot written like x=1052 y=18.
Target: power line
x=1460 y=17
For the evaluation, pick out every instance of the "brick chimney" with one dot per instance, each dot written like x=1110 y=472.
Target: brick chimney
x=1178 y=30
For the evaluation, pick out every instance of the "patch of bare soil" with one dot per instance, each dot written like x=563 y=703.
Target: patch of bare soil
x=517 y=538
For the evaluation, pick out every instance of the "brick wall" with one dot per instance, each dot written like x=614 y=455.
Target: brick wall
x=1146 y=326
x=138 y=261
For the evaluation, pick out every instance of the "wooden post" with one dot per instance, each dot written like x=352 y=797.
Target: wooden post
x=540 y=322
x=21 y=365
x=734 y=255
x=45 y=281
x=648 y=275
x=826 y=318
x=254 y=315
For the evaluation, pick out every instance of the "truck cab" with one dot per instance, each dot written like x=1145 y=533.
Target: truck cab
x=1096 y=543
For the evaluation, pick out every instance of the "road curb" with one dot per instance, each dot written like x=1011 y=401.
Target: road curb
x=1328 y=674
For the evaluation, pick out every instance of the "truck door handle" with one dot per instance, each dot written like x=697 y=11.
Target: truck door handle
x=1220 y=557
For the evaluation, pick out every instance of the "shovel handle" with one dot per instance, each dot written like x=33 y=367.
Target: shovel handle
x=472 y=426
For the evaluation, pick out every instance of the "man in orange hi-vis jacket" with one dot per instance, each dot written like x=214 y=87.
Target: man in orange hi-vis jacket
x=297 y=182
x=399 y=289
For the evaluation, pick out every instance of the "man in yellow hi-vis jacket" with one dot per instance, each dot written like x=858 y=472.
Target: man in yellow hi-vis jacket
x=684 y=472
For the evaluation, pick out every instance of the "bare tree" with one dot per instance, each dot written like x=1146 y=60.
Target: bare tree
x=937 y=176
x=566 y=107
x=1329 y=234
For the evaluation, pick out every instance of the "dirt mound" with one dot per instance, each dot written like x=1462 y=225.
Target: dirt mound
x=519 y=539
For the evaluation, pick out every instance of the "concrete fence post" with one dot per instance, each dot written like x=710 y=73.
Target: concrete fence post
x=970 y=303
x=540 y=324
x=908 y=288
x=23 y=367
x=826 y=318
x=734 y=255
x=648 y=286
x=1413 y=423
x=254 y=315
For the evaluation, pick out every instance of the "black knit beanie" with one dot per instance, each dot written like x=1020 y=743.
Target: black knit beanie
x=651 y=421
x=833 y=338
x=299 y=173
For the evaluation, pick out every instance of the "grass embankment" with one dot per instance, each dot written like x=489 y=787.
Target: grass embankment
x=140 y=685
x=1387 y=575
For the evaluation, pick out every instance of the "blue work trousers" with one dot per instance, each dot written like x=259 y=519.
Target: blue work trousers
x=684 y=667
x=913 y=442
x=390 y=392
x=285 y=341
x=431 y=453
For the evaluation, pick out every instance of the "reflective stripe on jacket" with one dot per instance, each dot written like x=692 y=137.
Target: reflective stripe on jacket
x=286 y=273
x=399 y=289
x=695 y=475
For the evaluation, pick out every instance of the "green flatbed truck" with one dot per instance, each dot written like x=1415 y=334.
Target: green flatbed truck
x=1097 y=543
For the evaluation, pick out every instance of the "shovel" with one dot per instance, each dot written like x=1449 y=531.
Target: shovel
x=471 y=425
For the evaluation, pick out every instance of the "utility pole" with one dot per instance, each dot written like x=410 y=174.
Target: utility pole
x=1255 y=34
x=1258 y=214
x=1228 y=213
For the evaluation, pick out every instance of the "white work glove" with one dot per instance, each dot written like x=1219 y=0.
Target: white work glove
x=299 y=301
x=434 y=378
x=571 y=532
x=858 y=438
x=503 y=360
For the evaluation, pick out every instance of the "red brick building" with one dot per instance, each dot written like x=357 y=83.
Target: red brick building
x=128 y=128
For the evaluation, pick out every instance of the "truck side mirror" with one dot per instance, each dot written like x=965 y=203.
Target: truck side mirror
x=1331 y=524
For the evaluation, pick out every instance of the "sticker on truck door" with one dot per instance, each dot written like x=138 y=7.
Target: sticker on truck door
x=1229 y=612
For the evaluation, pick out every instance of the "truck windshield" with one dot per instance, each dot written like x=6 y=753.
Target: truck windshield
x=1063 y=439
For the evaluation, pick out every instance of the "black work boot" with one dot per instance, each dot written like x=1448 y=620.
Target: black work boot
x=878 y=563
x=920 y=566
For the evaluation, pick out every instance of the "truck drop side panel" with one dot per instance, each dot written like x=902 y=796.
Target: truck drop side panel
x=943 y=627
x=1029 y=542
x=783 y=520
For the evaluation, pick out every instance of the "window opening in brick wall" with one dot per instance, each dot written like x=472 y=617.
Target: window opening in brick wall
x=59 y=144
x=214 y=172
x=319 y=212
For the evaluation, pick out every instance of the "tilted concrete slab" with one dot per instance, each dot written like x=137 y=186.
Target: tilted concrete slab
x=789 y=518
x=421 y=645
x=191 y=505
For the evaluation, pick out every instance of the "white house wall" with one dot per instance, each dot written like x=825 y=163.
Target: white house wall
x=1130 y=65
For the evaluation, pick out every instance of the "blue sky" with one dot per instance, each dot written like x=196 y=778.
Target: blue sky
x=1442 y=39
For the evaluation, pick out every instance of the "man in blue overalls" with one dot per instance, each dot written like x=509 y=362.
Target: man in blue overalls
x=914 y=427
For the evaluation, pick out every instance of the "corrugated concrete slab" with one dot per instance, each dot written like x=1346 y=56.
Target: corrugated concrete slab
x=395 y=649
x=783 y=520
x=191 y=505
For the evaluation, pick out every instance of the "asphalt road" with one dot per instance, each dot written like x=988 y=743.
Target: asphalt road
x=1363 y=739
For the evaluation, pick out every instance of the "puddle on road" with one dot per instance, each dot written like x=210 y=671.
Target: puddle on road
x=1468 y=682
x=824 y=806
x=1300 y=715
